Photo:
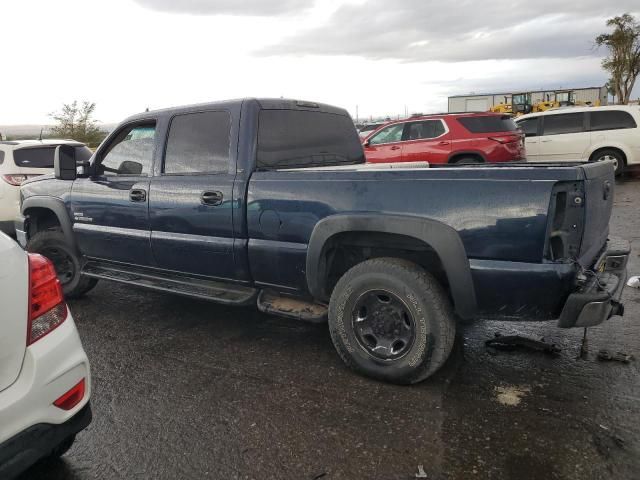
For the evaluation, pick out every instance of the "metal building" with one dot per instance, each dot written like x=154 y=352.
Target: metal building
x=483 y=102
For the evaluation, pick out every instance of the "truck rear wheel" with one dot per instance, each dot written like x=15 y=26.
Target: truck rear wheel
x=53 y=245
x=391 y=320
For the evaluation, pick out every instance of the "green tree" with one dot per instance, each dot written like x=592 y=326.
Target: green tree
x=75 y=121
x=623 y=61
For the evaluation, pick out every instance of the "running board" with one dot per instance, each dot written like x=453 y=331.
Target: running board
x=220 y=292
x=291 y=307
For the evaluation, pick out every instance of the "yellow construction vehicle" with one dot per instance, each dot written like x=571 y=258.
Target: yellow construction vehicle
x=521 y=103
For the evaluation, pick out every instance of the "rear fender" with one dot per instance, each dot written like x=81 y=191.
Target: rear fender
x=443 y=239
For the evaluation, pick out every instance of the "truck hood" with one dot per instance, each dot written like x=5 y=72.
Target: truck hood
x=39 y=178
x=14 y=293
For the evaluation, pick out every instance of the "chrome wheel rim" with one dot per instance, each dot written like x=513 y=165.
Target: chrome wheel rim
x=609 y=157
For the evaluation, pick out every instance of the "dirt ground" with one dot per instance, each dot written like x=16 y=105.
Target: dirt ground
x=188 y=389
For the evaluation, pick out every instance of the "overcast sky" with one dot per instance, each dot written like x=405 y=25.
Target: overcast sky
x=382 y=55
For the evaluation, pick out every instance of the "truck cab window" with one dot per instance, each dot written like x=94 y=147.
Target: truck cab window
x=198 y=143
x=131 y=153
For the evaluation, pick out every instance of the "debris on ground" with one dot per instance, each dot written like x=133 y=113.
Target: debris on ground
x=634 y=282
x=607 y=356
x=514 y=342
x=511 y=396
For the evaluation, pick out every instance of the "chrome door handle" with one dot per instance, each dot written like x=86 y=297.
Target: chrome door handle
x=138 y=195
x=212 y=198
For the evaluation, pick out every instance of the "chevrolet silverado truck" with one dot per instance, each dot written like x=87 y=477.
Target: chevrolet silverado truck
x=270 y=202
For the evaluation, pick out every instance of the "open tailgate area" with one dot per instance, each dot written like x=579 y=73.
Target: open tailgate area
x=599 y=186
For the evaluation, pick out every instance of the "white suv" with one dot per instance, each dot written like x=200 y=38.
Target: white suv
x=44 y=372
x=584 y=134
x=21 y=160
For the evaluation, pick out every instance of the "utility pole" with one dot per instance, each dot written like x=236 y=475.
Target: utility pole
x=357 y=114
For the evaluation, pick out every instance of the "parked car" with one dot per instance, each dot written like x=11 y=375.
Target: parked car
x=584 y=133
x=365 y=130
x=21 y=160
x=268 y=201
x=447 y=138
x=44 y=372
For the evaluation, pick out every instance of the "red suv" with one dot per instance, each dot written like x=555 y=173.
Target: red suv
x=447 y=138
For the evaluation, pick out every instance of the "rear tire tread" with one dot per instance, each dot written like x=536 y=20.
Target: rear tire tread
x=422 y=281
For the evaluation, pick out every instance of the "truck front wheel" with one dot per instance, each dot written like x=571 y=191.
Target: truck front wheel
x=53 y=245
x=391 y=320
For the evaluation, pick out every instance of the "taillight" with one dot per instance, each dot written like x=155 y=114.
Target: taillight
x=47 y=308
x=15 y=180
x=506 y=138
x=72 y=398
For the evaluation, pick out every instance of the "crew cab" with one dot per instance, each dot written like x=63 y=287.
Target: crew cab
x=271 y=202
x=477 y=137
x=44 y=371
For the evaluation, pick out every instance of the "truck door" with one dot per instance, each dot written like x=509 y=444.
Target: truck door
x=426 y=141
x=110 y=209
x=564 y=137
x=386 y=145
x=191 y=200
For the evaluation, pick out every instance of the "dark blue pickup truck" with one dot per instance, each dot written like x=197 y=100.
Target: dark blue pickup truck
x=270 y=202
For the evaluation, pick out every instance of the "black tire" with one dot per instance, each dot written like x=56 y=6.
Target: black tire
x=610 y=154
x=412 y=294
x=68 y=262
x=467 y=161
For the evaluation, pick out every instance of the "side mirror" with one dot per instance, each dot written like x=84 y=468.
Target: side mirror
x=367 y=143
x=64 y=162
x=130 y=168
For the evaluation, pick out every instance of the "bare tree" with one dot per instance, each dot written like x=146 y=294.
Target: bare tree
x=623 y=62
x=75 y=121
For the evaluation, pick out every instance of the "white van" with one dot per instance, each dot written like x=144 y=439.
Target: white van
x=21 y=160
x=584 y=133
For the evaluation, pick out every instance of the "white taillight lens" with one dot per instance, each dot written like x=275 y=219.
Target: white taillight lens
x=47 y=309
x=15 y=180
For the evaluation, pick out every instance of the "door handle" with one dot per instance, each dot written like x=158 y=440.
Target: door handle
x=212 y=198
x=395 y=147
x=545 y=141
x=443 y=143
x=138 y=195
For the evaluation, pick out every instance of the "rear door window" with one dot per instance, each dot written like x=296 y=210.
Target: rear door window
x=198 y=143
x=40 y=157
x=611 y=120
x=424 y=130
x=300 y=138
x=488 y=123
x=563 y=123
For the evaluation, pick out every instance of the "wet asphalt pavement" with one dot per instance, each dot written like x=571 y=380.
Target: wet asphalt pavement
x=188 y=389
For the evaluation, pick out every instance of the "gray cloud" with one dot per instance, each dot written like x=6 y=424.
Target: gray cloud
x=227 y=7
x=424 y=30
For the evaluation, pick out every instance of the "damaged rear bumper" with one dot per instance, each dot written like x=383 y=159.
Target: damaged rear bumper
x=599 y=298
